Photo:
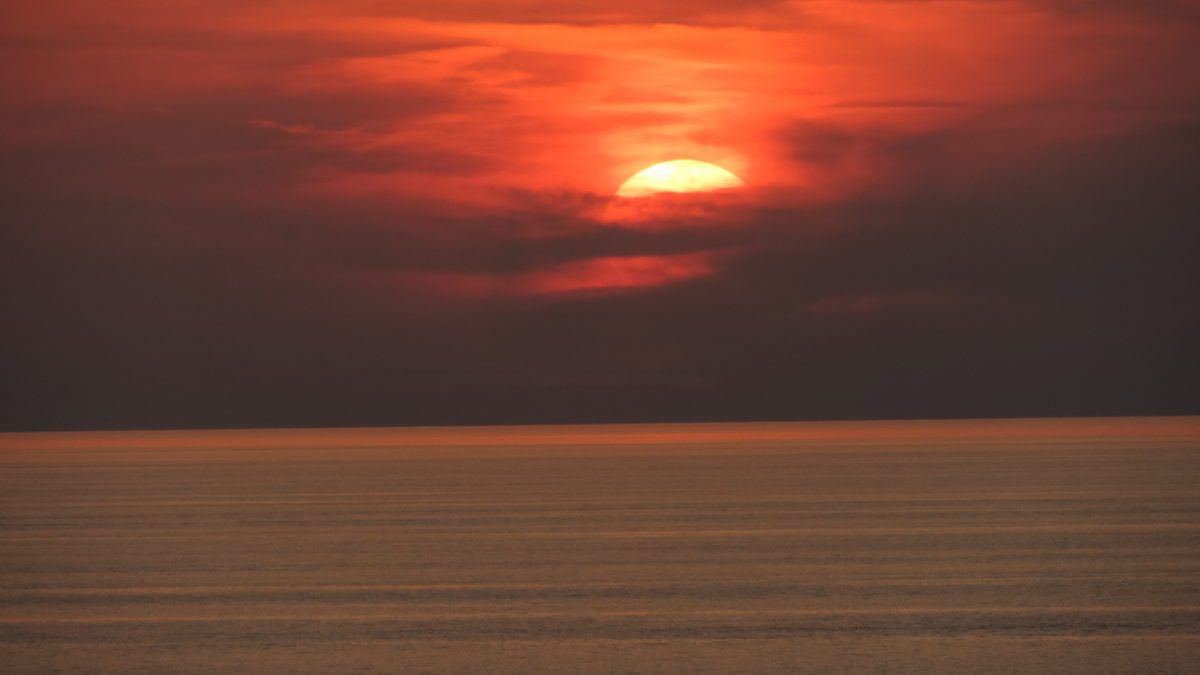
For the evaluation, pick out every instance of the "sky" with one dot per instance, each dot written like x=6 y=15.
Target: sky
x=313 y=213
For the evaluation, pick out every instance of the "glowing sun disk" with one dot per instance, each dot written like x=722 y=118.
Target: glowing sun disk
x=680 y=175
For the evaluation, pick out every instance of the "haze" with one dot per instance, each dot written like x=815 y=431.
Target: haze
x=264 y=214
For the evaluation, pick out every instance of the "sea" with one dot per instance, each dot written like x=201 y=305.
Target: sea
x=951 y=546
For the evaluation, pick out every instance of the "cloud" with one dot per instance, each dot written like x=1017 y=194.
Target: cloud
x=377 y=213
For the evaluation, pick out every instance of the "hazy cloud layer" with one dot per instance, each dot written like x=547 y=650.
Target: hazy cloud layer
x=323 y=213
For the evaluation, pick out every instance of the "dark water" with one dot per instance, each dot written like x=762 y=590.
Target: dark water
x=988 y=546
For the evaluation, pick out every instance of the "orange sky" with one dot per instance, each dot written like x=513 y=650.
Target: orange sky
x=468 y=100
x=370 y=157
x=470 y=108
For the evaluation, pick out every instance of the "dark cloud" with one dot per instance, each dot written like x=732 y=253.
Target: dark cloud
x=1057 y=287
x=1148 y=9
x=1171 y=10
x=255 y=246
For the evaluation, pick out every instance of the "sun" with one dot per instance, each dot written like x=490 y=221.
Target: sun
x=680 y=175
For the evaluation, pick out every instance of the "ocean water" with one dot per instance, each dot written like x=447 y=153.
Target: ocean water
x=992 y=546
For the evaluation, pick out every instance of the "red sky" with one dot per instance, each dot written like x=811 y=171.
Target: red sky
x=369 y=212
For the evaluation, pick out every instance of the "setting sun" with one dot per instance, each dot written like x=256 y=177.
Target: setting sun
x=651 y=336
x=680 y=175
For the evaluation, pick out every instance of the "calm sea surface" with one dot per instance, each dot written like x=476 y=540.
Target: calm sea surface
x=996 y=546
